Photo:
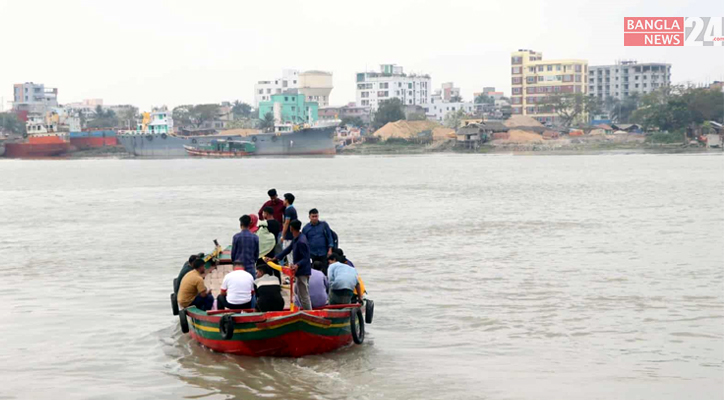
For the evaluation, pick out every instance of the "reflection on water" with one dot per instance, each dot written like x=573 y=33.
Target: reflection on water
x=494 y=277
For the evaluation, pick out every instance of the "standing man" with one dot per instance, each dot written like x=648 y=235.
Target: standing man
x=300 y=250
x=273 y=226
x=276 y=204
x=192 y=291
x=245 y=247
x=318 y=236
x=290 y=214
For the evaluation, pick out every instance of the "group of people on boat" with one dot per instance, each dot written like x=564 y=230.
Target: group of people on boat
x=323 y=275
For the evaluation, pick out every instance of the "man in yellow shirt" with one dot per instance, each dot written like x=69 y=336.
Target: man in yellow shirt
x=192 y=291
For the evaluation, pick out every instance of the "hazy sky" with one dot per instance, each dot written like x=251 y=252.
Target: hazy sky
x=177 y=52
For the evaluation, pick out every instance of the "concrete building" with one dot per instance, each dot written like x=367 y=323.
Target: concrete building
x=533 y=79
x=626 y=78
x=350 y=110
x=391 y=82
x=315 y=85
x=447 y=91
x=489 y=91
x=34 y=98
x=289 y=108
x=438 y=111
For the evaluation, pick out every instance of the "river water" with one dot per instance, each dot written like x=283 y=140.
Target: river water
x=494 y=277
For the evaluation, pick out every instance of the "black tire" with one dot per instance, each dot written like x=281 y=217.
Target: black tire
x=149 y=138
x=193 y=141
x=226 y=327
x=174 y=304
x=184 y=323
x=254 y=138
x=369 y=308
x=356 y=321
x=163 y=136
x=25 y=135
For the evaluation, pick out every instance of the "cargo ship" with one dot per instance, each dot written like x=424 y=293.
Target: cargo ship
x=92 y=138
x=40 y=140
x=154 y=138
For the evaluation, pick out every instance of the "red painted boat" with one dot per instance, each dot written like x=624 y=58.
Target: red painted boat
x=36 y=146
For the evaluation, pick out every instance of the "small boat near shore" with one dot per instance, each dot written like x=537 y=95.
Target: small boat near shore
x=289 y=333
x=222 y=149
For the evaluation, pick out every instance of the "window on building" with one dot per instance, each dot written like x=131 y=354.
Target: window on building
x=549 y=67
x=636 y=85
x=541 y=68
x=515 y=70
x=261 y=91
x=286 y=98
x=269 y=91
x=410 y=86
x=293 y=108
x=644 y=85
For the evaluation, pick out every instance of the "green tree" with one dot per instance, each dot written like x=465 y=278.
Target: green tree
x=483 y=99
x=241 y=110
x=10 y=122
x=127 y=117
x=267 y=123
x=571 y=107
x=194 y=116
x=103 y=119
x=416 y=117
x=456 y=99
x=454 y=119
x=388 y=111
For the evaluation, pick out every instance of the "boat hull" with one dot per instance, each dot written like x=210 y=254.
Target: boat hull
x=194 y=152
x=35 y=150
x=92 y=142
x=311 y=141
x=275 y=334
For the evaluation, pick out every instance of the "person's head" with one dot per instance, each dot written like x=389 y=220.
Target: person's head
x=253 y=221
x=272 y=193
x=289 y=199
x=192 y=258
x=332 y=258
x=340 y=255
x=267 y=213
x=295 y=227
x=263 y=269
x=199 y=265
x=318 y=265
x=245 y=221
x=314 y=216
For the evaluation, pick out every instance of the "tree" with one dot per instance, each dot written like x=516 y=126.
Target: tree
x=484 y=99
x=416 y=117
x=352 y=121
x=456 y=99
x=103 y=119
x=267 y=123
x=454 y=119
x=128 y=117
x=195 y=115
x=241 y=110
x=388 y=111
x=10 y=122
x=570 y=107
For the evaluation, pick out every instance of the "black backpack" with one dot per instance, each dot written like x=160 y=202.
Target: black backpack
x=334 y=236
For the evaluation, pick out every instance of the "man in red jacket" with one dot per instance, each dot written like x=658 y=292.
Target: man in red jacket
x=276 y=204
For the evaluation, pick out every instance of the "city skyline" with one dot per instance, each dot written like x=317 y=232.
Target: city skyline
x=213 y=54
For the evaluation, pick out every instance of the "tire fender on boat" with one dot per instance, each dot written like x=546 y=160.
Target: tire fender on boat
x=226 y=327
x=174 y=304
x=184 y=323
x=369 y=308
x=163 y=136
x=193 y=141
x=356 y=320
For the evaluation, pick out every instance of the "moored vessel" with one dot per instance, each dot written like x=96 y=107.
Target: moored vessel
x=41 y=139
x=93 y=138
x=222 y=149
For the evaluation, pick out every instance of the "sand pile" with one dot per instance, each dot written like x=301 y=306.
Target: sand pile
x=519 y=136
x=409 y=129
x=516 y=121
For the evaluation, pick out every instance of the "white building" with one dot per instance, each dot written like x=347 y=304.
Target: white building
x=438 y=110
x=389 y=83
x=315 y=85
x=626 y=78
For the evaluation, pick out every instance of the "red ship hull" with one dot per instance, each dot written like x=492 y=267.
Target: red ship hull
x=35 y=150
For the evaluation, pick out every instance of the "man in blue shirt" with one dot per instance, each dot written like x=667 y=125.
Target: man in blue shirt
x=301 y=264
x=245 y=247
x=343 y=280
x=318 y=236
x=290 y=214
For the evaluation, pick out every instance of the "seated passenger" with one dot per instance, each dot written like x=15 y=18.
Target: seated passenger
x=269 y=291
x=192 y=291
x=342 y=257
x=237 y=291
x=188 y=267
x=343 y=280
x=319 y=286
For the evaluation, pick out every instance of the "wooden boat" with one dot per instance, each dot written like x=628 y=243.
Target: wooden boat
x=222 y=149
x=289 y=333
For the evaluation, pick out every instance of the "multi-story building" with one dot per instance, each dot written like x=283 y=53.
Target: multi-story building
x=289 y=108
x=314 y=85
x=438 y=111
x=391 y=82
x=351 y=110
x=626 y=78
x=534 y=79
x=34 y=98
x=489 y=91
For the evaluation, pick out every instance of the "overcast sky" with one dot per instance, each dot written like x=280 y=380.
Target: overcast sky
x=178 y=52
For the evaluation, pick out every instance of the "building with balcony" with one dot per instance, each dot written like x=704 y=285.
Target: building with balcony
x=391 y=82
x=314 y=85
x=627 y=78
x=34 y=97
x=534 y=79
x=289 y=108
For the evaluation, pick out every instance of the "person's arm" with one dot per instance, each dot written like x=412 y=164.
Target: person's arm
x=359 y=291
x=202 y=288
x=327 y=284
x=259 y=214
x=235 y=249
x=285 y=227
x=256 y=248
x=328 y=239
x=284 y=253
x=224 y=286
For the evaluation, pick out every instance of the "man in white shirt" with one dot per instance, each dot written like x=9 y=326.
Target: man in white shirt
x=237 y=291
